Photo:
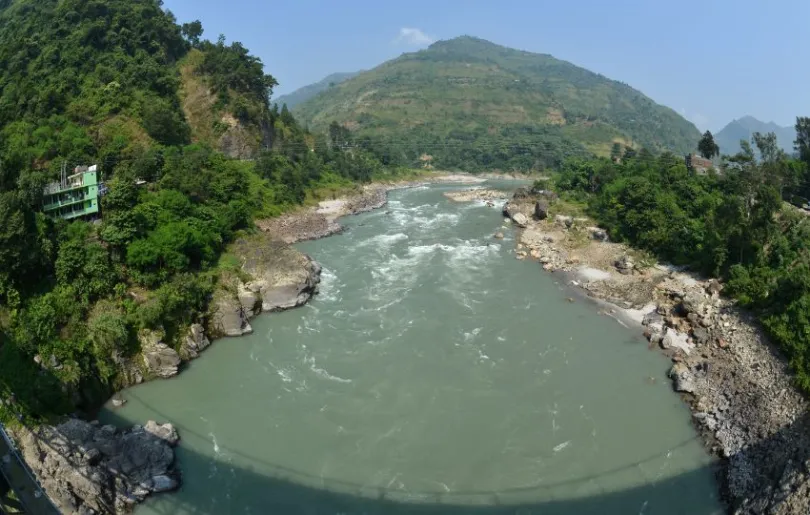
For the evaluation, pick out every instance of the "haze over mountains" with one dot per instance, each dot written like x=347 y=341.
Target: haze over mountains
x=470 y=103
x=303 y=94
x=729 y=137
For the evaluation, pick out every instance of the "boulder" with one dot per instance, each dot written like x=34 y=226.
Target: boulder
x=625 y=265
x=498 y=235
x=159 y=359
x=700 y=335
x=564 y=221
x=227 y=318
x=598 y=234
x=654 y=321
x=165 y=432
x=196 y=341
x=85 y=468
x=248 y=300
x=521 y=220
x=693 y=303
x=523 y=192
x=676 y=340
x=713 y=287
x=541 y=209
x=683 y=380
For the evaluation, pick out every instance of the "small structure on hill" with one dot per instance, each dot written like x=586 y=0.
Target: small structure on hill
x=698 y=164
x=74 y=196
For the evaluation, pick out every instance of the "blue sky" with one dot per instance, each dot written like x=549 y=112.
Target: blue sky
x=710 y=60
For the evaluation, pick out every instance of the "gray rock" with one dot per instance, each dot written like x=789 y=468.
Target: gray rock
x=227 y=316
x=498 y=235
x=625 y=265
x=195 y=342
x=564 y=221
x=713 y=287
x=541 y=209
x=683 y=378
x=159 y=359
x=676 y=340
x=165 y=432
x=85 y=468
x=249 y=301
x=692 y=303
x=701 y=335
x=598 y=234
x=521 y=220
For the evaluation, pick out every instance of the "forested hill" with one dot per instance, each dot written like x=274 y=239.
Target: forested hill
x=301 y=95
x=120 y=84
x=473 y=104
x=81 y=79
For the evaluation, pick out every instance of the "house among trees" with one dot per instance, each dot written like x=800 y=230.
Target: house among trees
x=74 y=196
x=698 y=164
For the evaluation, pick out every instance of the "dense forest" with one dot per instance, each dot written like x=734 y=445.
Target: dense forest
x=734 y=222
x=473 y=105
x=107 y=82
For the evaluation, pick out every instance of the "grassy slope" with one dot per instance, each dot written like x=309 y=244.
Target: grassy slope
x=471 y=84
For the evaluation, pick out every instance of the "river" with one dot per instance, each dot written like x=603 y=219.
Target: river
x=434 y=373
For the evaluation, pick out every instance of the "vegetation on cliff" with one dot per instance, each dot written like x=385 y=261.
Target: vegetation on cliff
x=733 y=223
x=162 y=111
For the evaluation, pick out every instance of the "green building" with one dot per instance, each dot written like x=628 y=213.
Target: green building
x=74 y=196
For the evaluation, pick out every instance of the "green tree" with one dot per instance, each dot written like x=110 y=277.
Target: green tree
x=707 y=146
x=616 y=152
x=193 y=32
x=802 y=143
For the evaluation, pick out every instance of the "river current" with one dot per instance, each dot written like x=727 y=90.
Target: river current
x=434 y=373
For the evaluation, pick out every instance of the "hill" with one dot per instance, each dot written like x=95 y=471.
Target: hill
x=301 y=95
x=729 y=137
x=120 y=84
x=469 y=103
x=106 y=76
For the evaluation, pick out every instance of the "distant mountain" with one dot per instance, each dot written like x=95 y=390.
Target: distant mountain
x=468 y=103
x=729 y=137
x=303 y=94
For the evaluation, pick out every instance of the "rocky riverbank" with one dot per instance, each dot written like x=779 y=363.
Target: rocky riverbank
x=736 y=383
x=87 y=468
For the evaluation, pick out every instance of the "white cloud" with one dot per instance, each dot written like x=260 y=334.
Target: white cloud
x=411 y=36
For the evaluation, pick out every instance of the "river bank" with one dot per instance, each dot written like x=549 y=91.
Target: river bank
x=87 y=466
x=736 y=383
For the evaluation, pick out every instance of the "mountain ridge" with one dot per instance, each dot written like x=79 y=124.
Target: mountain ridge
x=304 y=93
x=468 y=91
x=728 y=138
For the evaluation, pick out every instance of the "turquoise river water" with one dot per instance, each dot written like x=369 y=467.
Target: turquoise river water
x=434 y=373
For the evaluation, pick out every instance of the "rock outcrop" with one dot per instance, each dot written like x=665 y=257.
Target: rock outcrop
x=274 y=277
x=195 y=342
x=87 y=468
x=159 y=359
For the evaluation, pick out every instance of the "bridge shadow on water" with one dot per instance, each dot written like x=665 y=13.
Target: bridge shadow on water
x=250 y=485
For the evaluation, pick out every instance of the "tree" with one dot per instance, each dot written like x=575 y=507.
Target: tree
x=192 y=32
x=802 y=143
x=707 y=146
x=616 y=152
